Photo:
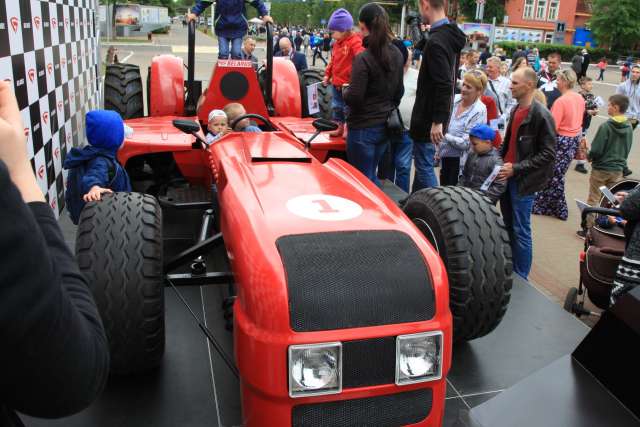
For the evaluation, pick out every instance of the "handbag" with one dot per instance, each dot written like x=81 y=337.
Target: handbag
x=395 y=125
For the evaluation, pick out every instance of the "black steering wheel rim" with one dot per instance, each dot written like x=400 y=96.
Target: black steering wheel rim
x=268 y=123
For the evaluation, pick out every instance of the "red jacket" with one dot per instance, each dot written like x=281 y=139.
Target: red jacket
x=492 y=114
x=344 y=50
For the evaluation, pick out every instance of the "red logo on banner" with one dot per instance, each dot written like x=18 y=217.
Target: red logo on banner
x=26 y=132
x=50 y=67
x=54 y=23
x=36 y=22
x=75 y=58
x=41 y=172
x=56 y=152
x=32 y=74
x=14 y=24
x=60 y=105
x=45 y=117
x=53 y=204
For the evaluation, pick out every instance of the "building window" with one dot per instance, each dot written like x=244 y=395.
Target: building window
x=541 y=10
x=548 y=38
x=528 y=9
x=554 y=6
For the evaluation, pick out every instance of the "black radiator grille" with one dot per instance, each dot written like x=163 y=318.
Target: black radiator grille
x=381 y=411
x=368 y=362
x=355 y=278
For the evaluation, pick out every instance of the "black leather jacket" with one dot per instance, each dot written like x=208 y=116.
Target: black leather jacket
x=536 y=150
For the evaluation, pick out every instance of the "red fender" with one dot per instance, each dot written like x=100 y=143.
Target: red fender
x=166 y=88
x=286 y=89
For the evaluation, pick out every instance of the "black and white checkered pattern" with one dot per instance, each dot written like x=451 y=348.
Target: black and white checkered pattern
x=49 y=50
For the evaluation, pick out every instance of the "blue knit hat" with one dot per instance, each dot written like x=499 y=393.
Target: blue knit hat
x=341 y=20
x=483 y=132
x=105 y=129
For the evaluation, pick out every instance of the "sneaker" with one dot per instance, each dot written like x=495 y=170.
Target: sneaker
x=626 y=172
x=581 y=234
x=580 y=168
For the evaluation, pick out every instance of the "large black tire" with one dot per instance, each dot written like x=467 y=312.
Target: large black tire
x=309 y=77
x=123 y=90
x=470 y=236
x=119 y=250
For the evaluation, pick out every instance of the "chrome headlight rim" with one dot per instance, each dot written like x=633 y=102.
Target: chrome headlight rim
x=319 y=392
x=401 y=379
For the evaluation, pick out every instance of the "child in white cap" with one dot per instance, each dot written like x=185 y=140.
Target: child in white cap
x=218 y=125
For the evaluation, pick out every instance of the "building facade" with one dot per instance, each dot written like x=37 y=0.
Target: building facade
x=539 y=18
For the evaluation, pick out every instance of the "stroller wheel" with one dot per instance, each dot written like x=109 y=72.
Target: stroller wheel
x=570 y=300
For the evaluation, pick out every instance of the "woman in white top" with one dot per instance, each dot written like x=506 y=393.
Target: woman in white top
x=468 y=111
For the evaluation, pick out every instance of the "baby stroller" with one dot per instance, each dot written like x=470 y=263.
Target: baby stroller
x=603 y=250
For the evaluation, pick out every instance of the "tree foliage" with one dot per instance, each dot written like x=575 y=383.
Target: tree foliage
x=491 y=8
x=616 y=23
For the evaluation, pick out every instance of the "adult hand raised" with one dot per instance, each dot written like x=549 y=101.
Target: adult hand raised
x=13 y=146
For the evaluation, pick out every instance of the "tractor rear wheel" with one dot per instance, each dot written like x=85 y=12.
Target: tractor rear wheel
x=307 y=78
x=119 y=250
x=472 y=241
x=123 y=90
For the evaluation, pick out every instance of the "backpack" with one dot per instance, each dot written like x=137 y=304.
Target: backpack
x=72 y=195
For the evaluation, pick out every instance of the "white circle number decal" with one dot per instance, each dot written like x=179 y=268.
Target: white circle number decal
x=324 y=207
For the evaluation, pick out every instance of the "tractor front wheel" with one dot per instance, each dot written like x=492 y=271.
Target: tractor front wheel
x=119 y=250
x=307 y=78
x=472 y=241
x=123 y=91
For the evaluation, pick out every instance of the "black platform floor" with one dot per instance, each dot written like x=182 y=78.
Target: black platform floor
x=193 y=387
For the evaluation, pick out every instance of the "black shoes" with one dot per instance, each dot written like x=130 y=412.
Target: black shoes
x=581 y=234
x=626 y=171
x=580 y=168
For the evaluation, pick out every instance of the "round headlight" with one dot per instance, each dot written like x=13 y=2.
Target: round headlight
x=418 y=357
x=315 y=368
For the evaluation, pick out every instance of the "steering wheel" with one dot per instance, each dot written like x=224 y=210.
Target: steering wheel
x=270 y=126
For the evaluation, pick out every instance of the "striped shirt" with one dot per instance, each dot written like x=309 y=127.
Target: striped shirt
x=456 y=141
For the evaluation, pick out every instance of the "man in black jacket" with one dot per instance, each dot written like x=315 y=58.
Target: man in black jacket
x=529 y=154
x=435 y=92
x=55 y=356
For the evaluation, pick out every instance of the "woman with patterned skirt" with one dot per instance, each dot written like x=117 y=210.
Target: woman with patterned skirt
x=567 y=112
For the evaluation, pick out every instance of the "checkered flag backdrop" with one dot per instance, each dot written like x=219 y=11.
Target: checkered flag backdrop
x=49 y=51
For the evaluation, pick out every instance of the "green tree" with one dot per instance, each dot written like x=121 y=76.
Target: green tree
x=616 y=23
x=491 y=8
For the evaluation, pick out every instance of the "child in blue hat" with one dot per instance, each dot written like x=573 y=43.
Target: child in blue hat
x=94 y=169
x=483 y=164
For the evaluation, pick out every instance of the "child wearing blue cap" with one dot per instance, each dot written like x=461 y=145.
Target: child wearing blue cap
x=483 y=164
x=94 y=169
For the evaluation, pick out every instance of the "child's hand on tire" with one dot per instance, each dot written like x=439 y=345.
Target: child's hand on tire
x=95 y=194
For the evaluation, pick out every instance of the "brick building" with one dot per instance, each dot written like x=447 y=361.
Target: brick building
x=534 y=20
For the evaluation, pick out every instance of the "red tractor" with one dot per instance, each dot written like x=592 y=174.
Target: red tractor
x=343 y=306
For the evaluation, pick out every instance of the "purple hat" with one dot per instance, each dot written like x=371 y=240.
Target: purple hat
x=341 y=20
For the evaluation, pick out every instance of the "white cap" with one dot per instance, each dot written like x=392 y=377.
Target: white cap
x=217 y=113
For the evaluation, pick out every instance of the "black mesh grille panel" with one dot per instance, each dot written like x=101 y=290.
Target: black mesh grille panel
x=353 y=279
x=381 y=411
x=368 y=362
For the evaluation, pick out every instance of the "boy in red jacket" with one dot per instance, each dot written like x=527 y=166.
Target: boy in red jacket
x=348 y=44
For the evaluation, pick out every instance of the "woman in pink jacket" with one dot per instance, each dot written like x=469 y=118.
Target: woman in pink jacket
x=567 y=112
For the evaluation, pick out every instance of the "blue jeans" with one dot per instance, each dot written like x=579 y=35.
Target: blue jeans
x=338 y=107
x=223 y=48
x=398 y=168
x=516 y=212
x=365 y=148
x=425 y=177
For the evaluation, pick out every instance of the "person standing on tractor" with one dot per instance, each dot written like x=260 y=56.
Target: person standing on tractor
x=348 y=45
x=231 y=23
x=436 y=88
